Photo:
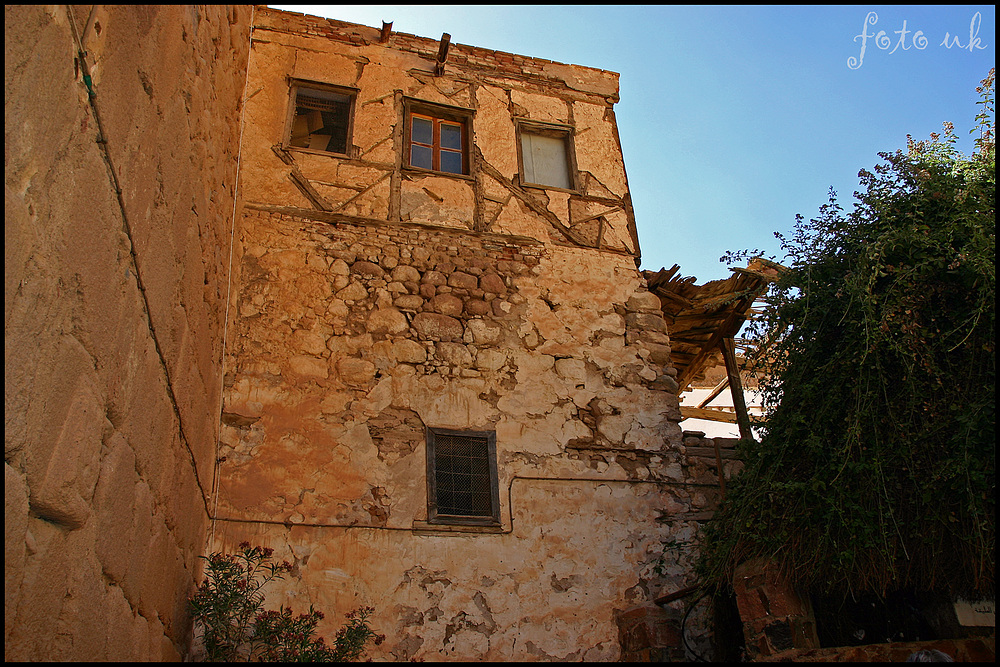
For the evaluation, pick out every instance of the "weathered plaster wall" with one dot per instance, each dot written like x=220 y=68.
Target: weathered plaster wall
x=338 y=366
x=499 y=87
x=113 y=313
x=416 y=300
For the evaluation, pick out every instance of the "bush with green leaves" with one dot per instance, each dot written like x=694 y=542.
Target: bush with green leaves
x=229 y=609
x=876 y=470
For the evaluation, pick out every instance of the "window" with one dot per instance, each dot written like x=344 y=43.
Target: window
x=462 y=485
x=437 y=138
x=546 y=154
x=321 y=119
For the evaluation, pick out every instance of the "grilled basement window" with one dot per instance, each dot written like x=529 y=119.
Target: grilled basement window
x=546 y=156
x=321 y=119
x=462 y=485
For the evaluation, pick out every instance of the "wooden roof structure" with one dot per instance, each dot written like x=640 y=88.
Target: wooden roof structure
x=702 y=321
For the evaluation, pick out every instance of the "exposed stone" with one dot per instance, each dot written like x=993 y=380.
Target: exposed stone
x=355 y=371
x=367 y=270
x=476 y=307
x=455 y=354
x=643 y=301
x=409 y=351
x=353 y=292
x=308 y=367
x=491 y=282
x=490 y=360
x=646 y=321
x=309 y=342
x=409 y=302
x=387 y=320
x=463 y=280
x=659 y=354
x=446 y=304
x=339 y=268
x=438 y=327
x=434 y=278
x=404 y=273
x=484 y=332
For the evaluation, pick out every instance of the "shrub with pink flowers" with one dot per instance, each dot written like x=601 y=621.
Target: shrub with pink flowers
x=228 y=608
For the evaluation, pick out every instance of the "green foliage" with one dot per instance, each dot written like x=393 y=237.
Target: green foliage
x=229 y=608
x=876 y=469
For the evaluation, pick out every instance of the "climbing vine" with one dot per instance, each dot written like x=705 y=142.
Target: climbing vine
x=876 y=468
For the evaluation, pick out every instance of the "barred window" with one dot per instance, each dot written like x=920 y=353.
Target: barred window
x=462 y=484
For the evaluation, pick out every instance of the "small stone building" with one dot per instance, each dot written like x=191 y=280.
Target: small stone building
x=448 y=393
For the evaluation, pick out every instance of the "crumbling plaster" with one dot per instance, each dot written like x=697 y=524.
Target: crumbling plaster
x=419 y=300
x=373 y=185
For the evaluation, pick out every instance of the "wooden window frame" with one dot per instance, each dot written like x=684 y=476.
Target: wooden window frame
x=436 y=518
x=294 y=86
x=438 y=115
x=564 y=132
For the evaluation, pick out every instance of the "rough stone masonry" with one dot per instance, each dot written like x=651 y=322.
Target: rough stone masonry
x=378 y=301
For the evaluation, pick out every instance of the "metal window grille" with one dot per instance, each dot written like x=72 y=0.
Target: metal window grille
x=463 y=480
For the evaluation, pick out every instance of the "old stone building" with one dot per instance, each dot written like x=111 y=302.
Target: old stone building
x=448 y=391
x=366 y=298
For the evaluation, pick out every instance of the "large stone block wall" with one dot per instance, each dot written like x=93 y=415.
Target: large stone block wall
x=113 y=316
x=351 y=339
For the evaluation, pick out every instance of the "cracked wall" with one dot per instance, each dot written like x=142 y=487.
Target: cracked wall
x=113 y=326
x=375 y=302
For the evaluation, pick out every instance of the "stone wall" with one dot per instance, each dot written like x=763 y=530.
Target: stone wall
x=376 y=301
x=353 y=339
x=114 y=294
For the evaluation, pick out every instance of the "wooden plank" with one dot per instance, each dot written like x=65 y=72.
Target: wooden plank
x=709 y=414
x=709 y=452
x=728 y=348
x=723 y=383
x=695 y=366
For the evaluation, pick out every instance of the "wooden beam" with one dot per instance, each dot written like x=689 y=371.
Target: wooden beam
x=709 y=414
x=308 y=191
x=709 y=452
x=728 y=348
x=442 y=56
x=719 y=469
x=733 y=320
x=723 y=383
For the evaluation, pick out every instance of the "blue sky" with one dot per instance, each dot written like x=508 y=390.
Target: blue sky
x=734 y=119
